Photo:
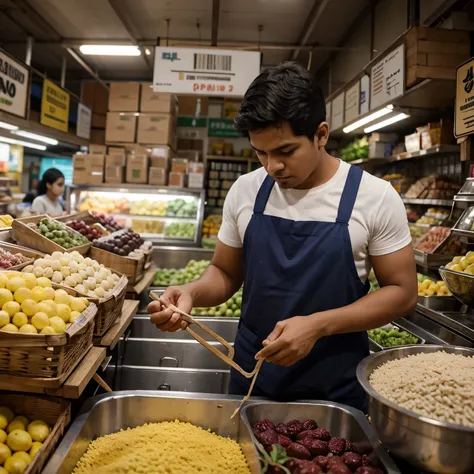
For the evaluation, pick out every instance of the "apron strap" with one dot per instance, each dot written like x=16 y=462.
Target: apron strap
x=349 y=195
x=263 y=195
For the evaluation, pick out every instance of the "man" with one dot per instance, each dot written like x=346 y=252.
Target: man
x=302 y=234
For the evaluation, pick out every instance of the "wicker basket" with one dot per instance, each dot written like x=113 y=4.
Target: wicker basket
x=52 y=357
x=54 y=411
x=31 y=254
x=34 y=240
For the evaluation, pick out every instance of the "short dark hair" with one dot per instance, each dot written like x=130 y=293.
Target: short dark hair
x=50 y=176
x=286 y=93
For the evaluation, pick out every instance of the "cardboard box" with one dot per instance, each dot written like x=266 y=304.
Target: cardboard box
x=98 y=136
x=179 y=165
x=99 y=120
x=97 y=149
x=176 y=179
x=134 y=149
x=88 y=162
x=95 y=96
x=116 y=150
x=187 y=105
x=115 y=160
x=157 y=176
x=159 y=103
x=137 y=169
x=79 y=176
x=114 y=174
x=121 y=127
x=124 y=96
x=196 y=180
x=162 y=150
x=159 y=162
x=159 y=129
x=194 y=167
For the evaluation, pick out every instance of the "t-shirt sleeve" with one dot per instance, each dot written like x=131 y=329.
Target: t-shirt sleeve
x=229 y=231
x=390 y=231
x=38 y=206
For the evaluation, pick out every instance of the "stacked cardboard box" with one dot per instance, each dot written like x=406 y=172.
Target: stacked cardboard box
x=88 y=169
x=115 y=162
x=96 y=97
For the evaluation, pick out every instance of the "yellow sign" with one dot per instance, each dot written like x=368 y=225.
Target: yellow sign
x=55 y=106
x=464 y=109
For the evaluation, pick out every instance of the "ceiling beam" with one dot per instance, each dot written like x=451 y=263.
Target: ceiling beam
x=313 y=18
x=86 y=66
x=132 y=32
x=215 y=22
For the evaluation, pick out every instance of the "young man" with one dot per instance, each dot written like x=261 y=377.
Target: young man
x=302 y=234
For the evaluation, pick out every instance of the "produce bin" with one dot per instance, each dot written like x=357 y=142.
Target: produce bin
x=400 y=328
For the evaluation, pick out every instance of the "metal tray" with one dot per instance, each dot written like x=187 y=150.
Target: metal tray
x=438 y=303
x=339 y=420
x=431 y=260
x=399 y=326
x=111 y=412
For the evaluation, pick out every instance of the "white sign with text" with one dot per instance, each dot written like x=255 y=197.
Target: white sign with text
x=84 y=121
x=14 y=84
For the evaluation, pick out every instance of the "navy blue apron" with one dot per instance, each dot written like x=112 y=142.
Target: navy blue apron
x=297 y=268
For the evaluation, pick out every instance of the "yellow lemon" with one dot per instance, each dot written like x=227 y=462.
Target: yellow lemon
x=77 y=304
x=3 y=424
x=44 y=282
x=57 y=324
x=22 y=418
x=44 y=307
x=19 y=440
x=61 y=297
x=3 y=434
x=17 y=424
x=74 y=316
x=4 y=318
x=3 y=280
x=35 y=447
x=40 y=321
x=64 y=312
x=5 y=296
x=30 y=280
x=29 y=307
x=9 y=328
x=53 y=306
x=11 y=275
x=5 y=453
x=19 y=319
x=22 y=455
x=11 y=307
x=48 y=330
x=22 y=294
x=49 y=293
x=38 y=430
x=15 y=465
x=28 y=329
x=7 y=413
x=38 y=294
x=15 y=283
x=3 y=470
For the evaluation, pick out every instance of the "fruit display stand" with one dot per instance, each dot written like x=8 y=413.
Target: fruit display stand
x=150 y=209
x=135 y=290
x=31 y=255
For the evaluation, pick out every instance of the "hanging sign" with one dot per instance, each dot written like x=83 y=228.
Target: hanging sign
x=337 y=116
x=351 y=101
x=54 y=106
x=388 y=78
x=464 y=110
x=208 y=72
x=84 y=121
x=364 y=95
x=14 y=83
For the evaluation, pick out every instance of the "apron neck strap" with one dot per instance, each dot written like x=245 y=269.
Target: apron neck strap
x=263 y=195
x=349 y=195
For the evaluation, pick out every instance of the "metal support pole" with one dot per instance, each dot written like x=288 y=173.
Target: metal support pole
x=29 y=50
x=63 y=71
x=413 y=7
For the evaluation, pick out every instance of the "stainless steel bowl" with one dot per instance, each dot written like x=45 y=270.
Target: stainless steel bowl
x=461 y=285
x=426 y=443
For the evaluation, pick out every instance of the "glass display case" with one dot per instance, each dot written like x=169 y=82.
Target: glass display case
x=163 y=215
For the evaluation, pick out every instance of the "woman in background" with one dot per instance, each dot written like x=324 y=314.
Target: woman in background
x=50 y=189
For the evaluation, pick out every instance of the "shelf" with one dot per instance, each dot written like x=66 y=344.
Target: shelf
x=112 y=336
x=136 y=188
x=370 y=161
x=144 y=283
x=429 y=202
x=192 y=220
x=232 y=158
x=431 y=152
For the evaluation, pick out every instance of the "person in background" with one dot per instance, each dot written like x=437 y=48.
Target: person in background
x=50 y=190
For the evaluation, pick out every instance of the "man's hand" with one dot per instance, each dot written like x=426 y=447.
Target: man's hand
x=164 y=318
x=290 y=341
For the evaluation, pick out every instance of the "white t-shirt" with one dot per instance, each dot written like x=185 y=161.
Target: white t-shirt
x=378 y=225
x=43 y=205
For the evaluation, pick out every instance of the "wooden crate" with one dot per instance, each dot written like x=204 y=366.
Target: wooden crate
x=54 y=411
x=26 y=252
x=434 y=53
x=28 y=237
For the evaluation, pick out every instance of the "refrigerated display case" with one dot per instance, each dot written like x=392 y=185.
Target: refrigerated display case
x=163 y=215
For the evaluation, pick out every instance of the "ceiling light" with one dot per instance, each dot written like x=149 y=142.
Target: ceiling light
x=40 y=138
x=110 y=50
x=386 y=123
x=147 y=51
x=7 y=126
x=368 y=119
x=22 y=143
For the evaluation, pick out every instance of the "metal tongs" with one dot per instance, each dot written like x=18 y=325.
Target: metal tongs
x=228 y=359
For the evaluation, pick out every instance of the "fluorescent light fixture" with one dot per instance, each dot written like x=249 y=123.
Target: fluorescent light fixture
x=7 y=126
x=368 y=119
x=110 y=50
x=386 y=123
x=22 y=143
x=147 y=51
x=40 y=138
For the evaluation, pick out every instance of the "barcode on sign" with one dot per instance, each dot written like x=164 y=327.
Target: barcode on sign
x=212 y=62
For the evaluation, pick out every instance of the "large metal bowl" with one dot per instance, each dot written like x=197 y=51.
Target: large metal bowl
x=424 y=442
x=461 y=285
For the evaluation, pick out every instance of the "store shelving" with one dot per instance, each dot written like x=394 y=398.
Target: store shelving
x=430 y=152
x=429 y=202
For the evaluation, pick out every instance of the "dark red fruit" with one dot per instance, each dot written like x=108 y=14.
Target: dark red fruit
x=369 y=470
x=322 y=434
x=268 y=437
x=322 y=462
x=309 y=425
x=284 y=441
x=350 y=447
x=336 y=466
x=262 y=426
x=292 y=463
x=352 y=460
x=318 y=448
x=296 y=450
x=337 y=445
x=306 y=434
x=282 y=429
x=294 y=427
x=371 y=460
x=307 y=467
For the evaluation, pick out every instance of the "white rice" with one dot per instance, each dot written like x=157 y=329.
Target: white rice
x=437 y=385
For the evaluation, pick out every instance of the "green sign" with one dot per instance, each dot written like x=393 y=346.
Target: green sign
x=192 y=122
x=222 y=128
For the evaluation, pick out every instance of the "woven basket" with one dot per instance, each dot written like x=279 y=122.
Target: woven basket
x=28 y=237
x=54 y=411
x=47 y=356
x=26 y=252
